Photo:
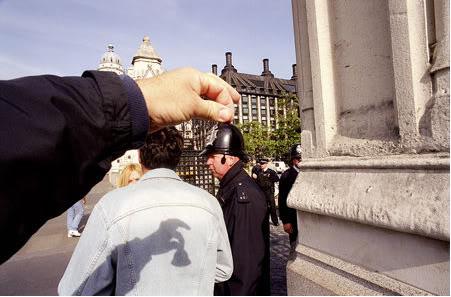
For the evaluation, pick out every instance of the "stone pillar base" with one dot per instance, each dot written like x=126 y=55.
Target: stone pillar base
x=313 y=273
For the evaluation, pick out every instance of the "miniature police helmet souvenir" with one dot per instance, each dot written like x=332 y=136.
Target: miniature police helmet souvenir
x=296 y=151
x=225 y=139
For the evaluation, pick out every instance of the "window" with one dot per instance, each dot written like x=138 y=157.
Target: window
x=254 y=111
x=253 y=100
x=262 y=101
x=246 y=110
x=244 y=99
x=263 y=112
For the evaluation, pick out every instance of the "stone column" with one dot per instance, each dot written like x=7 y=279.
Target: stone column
x=372 y=196
x=259 y=113
x=240 y=112
x=319 y=53
x=249 y=104
x=304 y=81
x=268 y=114
x=410 y=63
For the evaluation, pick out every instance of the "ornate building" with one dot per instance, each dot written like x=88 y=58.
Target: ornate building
x=145 y=64
x=111 y=61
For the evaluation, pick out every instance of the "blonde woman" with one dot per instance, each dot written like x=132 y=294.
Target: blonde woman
x=130 y=174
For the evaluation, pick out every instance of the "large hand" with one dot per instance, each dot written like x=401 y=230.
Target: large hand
x=174 y=97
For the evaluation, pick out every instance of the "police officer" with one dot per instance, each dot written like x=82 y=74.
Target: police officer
x=266 y=178
x=255 y=170
x=245 y=213
x=288 y=215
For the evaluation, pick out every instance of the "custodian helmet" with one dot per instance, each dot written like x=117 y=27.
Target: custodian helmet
x=296 y=151
x=225 y=139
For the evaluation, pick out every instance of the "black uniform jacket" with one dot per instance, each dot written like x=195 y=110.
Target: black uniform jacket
x=58 y=136
x=287 y=215
x=244 y=207
x=266 y=180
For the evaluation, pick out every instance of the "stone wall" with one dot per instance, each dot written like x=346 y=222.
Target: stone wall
x=373 y=193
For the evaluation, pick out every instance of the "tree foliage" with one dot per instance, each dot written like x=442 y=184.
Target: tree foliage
x=275 y=143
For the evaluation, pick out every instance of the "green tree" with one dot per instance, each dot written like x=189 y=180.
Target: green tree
x=261 y=141
x=257 y=139
x=289 y=128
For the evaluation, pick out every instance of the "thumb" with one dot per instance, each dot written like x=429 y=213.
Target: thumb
x=211 y=110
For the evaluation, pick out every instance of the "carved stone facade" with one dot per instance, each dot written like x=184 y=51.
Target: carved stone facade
x=110 y=61
x=146 y=62
x=373 y=194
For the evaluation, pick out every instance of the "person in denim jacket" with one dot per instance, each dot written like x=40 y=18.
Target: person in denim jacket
x=159 y=236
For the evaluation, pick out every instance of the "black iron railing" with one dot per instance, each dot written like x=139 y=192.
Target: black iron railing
x=192 y=168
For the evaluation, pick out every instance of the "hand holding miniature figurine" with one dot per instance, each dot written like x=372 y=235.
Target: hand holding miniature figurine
x=175 y=97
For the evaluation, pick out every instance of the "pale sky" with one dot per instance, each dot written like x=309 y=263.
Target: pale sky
x=66 y=37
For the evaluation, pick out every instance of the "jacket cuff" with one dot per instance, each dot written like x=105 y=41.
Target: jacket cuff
x=137 y=108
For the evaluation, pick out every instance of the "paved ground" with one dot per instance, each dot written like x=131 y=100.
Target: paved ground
x=37 y=268
x=280 y=249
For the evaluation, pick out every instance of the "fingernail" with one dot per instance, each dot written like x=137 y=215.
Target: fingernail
x=224 y=114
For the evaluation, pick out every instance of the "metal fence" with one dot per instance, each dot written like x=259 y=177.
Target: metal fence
x=192 y=168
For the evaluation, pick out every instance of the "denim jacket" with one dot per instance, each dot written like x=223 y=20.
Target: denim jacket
x=160 y=236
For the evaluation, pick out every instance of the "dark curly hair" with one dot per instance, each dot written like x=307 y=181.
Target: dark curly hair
x=162 y=149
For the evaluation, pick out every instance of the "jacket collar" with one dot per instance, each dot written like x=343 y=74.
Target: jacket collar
x=160 y=173
x=230 y=175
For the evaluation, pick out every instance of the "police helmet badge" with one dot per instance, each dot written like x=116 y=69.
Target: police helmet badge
x=299 y=149
x=212 y=135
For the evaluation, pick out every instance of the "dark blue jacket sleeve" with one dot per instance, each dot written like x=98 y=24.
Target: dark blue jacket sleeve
x=58 y=136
